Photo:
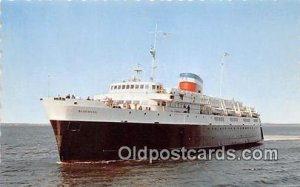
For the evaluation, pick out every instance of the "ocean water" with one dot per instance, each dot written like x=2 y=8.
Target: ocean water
x=29 y=158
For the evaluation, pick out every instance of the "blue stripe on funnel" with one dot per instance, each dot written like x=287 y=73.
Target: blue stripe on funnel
x=191 y=75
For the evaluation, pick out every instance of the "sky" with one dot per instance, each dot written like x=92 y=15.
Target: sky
x=62 y=47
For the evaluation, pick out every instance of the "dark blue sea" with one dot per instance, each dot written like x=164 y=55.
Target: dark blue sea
x=29 y=158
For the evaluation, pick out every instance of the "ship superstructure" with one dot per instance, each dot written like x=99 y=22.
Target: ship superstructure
x=187 y=98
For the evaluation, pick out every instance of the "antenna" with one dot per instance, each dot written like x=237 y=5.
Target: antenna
x=221 y=72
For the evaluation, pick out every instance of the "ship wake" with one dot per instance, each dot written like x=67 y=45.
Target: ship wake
x=280 y=138
x=99 y=162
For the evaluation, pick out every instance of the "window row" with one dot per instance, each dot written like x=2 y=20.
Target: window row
x=135 y=86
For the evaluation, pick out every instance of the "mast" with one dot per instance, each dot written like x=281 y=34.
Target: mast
x=48 y=85
x=138 y=70
x=221 y=71
x=153 y=55
x=153 y=51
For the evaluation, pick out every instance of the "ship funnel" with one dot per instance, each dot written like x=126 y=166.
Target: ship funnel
x=190 y=82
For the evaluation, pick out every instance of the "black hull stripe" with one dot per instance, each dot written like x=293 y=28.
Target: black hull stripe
x=96 y=141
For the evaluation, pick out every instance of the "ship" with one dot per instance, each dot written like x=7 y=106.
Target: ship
x=137 y=113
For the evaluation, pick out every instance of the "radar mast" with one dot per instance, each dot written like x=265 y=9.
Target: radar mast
x=153 y=52
x=138 y=70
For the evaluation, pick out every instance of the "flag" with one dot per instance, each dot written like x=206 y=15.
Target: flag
x=226 y=54
x=166 y=35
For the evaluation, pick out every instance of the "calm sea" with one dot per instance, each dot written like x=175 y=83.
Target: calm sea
x=29 y=157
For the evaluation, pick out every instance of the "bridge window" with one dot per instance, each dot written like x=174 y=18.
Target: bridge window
x=142 y=86
x=136 y=86
x=146 y=86
x=131 y=86
x=127 y=86
x=119 y=87
x=123 y=86
x=115 y=87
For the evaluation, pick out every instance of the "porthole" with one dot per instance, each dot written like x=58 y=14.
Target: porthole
x=145 y=113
